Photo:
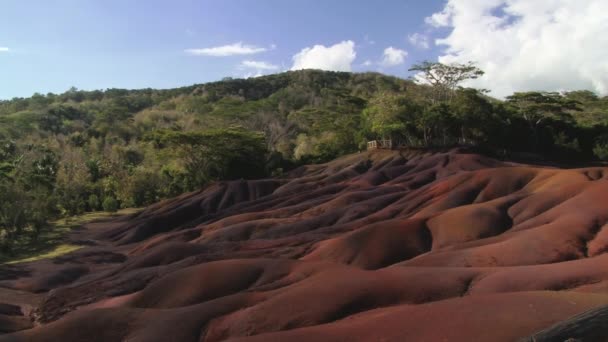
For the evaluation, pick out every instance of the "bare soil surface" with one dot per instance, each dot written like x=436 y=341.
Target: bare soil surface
x=376 y=246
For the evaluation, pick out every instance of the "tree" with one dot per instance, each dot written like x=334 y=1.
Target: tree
x=93 y=202
x=436 y=121
x=27 y=183
x=582 y=96
x=391 y=116
x=536 y=107
x=110 y=204
x=275 y=126
x=473 y=115
x=73 y=181
x=221 y=154
x=13 y=217
x=445 y=78
x=8 y=151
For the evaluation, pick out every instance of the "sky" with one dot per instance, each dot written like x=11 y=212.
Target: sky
x=50 y=46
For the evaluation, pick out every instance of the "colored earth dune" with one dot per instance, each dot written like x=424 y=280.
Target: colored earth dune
x=376 y=246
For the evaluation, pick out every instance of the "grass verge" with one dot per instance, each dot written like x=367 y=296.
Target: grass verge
x=51 y=242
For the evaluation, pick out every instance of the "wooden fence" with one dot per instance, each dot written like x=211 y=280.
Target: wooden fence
x=380 y=144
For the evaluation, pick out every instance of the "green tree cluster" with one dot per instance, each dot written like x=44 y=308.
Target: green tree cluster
x=64 y=154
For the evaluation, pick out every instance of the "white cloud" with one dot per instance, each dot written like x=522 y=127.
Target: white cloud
x=257 y=68
x=259 y=65
x=367 y=63
x=393 y=56
x=338 y=57
x=253 y=74
x=4 y=49
x=529 y=45
x=419 y=40
x=440 y=19
x=227 y=50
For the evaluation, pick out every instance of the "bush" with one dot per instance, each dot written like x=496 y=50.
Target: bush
x=110 y=204
x=93 y=202
x=601 y=151
x=141 y=187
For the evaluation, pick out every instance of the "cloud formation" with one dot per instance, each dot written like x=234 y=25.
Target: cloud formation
x=257 y=68
x=4 y=49
x=227 y=50
x=338 y=57
x=529 y=45
x=258 y=65
x=419 y=40
x=393 y=57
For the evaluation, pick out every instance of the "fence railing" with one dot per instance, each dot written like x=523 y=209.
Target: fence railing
x=380 y=144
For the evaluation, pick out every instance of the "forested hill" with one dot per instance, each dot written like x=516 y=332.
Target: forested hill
x=91 y=150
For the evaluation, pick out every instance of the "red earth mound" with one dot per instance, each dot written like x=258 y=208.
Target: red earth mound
x=382 y=245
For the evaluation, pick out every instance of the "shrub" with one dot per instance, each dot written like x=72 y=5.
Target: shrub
x=110 y=204
x=141 y=187
x=600 y=150
x=93 y=202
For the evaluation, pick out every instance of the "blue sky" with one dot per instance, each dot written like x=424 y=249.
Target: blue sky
x=49 y=46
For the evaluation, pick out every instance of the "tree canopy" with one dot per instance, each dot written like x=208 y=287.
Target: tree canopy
x=445 y=78
x=64 y=154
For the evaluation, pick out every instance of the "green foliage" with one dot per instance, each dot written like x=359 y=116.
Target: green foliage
x=600 y=148
x=22 y=212
x=535 y=107
x=538 y=107
x=94 y=169
x=391 y=115
x=51 y=241
x=93 y=202
x=61 y=155
x=13 y=217
x=601 y=151
x=436 y=124
x=27 y=184
x=444 y=78
x=474 y=116
x=110 y=204
x=141 y=187
x=211 y=155
x=592 y=109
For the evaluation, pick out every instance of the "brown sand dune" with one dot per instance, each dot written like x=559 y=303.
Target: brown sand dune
x=382 y=245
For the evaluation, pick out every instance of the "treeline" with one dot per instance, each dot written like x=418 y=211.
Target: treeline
x=540 y=123
x=61 y=155
x=570 y=126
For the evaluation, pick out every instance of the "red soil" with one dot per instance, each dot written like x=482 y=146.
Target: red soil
x=388 y=246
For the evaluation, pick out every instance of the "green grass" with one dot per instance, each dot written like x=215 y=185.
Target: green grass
x=51 y=242
x=57 y=251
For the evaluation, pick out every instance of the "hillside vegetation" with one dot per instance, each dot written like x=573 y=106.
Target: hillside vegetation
x=79 y=151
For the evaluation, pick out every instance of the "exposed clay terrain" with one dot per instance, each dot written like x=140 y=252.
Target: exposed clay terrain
x=380 y=246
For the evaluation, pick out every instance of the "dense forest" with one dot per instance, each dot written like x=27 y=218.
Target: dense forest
x=65 y=154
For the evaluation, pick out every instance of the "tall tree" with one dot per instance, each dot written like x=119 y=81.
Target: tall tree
x=436 y=124
x=472 y=113
x=391 y=116
x=536 y=107
x=445 y=78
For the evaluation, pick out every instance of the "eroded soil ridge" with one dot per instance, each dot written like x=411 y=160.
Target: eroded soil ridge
x=383 y=245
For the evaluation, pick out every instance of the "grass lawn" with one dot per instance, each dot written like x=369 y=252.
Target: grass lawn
x=51 y=242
